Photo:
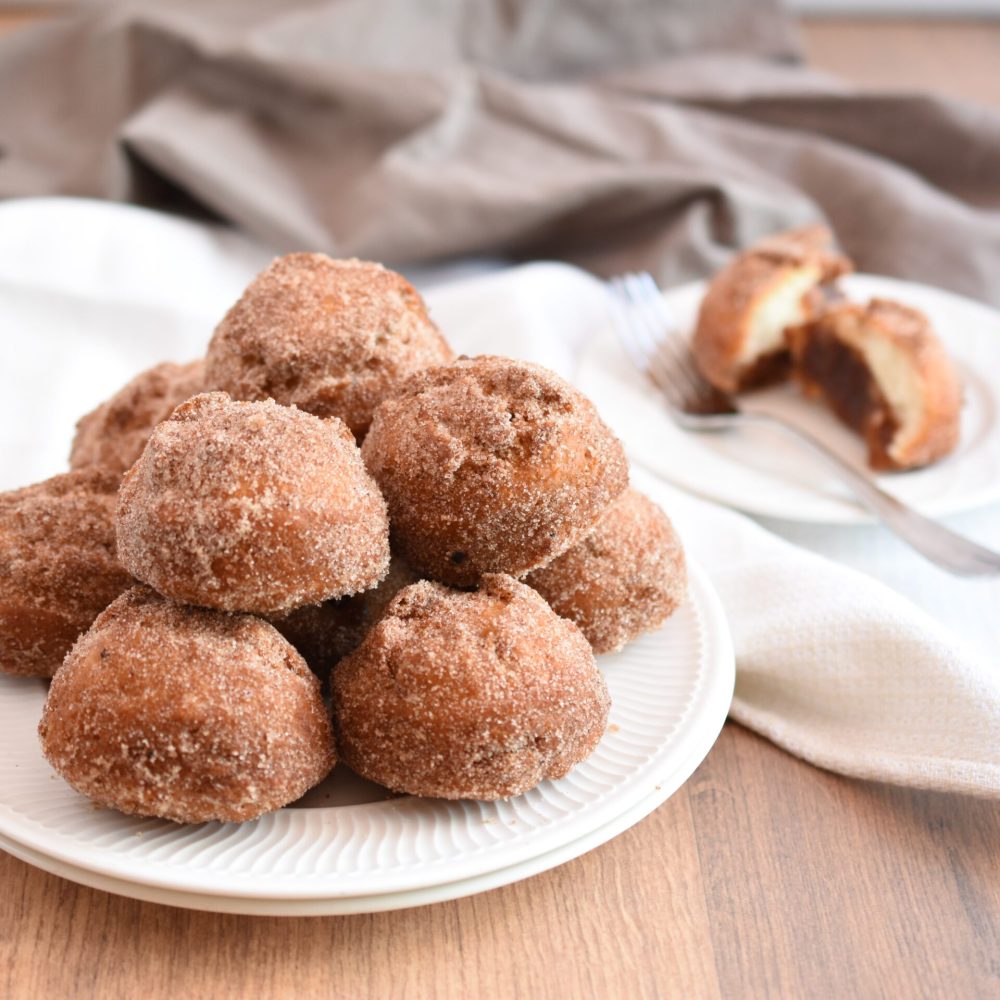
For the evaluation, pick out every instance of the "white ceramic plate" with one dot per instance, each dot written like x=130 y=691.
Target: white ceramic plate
x=670 y=693
x=340 y=905
x=764 y=472
x=697 y=747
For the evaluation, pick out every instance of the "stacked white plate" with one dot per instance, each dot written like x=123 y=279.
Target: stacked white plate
x=332 y=853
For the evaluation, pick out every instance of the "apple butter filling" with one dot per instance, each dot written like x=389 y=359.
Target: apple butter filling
x=766 y=369
x=838 y=373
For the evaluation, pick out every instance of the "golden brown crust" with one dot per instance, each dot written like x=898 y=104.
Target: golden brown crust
x=326 y=633
x=333 y=337
x=740 y=288
x=186 y=714
x=251 y=507
x=935 y=433
x=491 y=465
x=58 y=567
x=476 y=695
x=625 y=578
x=803 y=244
x=115 y=433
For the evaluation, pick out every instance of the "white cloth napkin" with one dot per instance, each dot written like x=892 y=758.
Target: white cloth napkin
x=832 y=664
x=838 y=668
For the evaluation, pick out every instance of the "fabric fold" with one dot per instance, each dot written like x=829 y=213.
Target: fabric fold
x=839 y=669
x=652 y=136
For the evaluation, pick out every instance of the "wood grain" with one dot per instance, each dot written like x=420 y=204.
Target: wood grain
x=952 y=58
x=12 y=18
x=762 y=877
x=629 y=919
x=821 y=886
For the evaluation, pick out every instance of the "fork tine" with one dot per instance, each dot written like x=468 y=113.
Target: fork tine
x=661 y=325
x=639 y=354
x=662 y=320
x=632 y=337
x=701 y=393
x=670 y=357
x=663 y=373
x=623 y=328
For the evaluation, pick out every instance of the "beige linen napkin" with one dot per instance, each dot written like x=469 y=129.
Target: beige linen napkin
x=610 y=134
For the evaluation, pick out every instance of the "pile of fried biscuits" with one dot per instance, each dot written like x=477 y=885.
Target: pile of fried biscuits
x=329 y=502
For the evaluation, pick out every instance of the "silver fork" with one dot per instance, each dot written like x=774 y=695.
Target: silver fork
x=643 y=324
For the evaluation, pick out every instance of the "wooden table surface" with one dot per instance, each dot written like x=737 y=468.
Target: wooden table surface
x=761 y=877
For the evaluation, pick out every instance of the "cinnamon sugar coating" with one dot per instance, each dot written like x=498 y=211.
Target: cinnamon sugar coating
x=478 y=695
x=325 y=633
x=333 y=337
x=251 y=507
x=115 y=433
x=491 y=465
x=798 y=262
x=58 y=567
x=186 y=714
x=884 y=372
x=625 y=578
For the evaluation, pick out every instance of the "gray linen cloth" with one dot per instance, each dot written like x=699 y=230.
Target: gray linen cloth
x=610 y=133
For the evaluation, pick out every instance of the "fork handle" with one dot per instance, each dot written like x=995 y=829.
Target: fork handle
x=932 y=540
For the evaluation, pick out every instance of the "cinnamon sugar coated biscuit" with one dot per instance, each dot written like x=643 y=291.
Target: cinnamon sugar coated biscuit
x=625 y=578
x=115 y=433
x=58 y=568
x=491 y=465
x=251 y=507
x=334 y=337
x=186 y=714
x=325 y=633
x=739 y=340
x=885 y=374
x=478 y=695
